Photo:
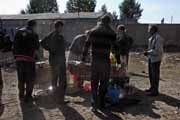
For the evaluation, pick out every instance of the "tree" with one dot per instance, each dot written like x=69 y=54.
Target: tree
x=81 y=6
x=104 y=8
x=130 y=9
x=41 y=6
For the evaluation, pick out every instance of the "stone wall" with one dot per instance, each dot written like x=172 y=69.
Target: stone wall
x=170 y=33
x=73 y=27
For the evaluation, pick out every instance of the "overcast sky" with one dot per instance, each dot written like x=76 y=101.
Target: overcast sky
x=154 y=10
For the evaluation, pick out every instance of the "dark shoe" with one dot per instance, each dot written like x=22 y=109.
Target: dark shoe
x=94 y=109
x=148 y=90
x=63 y=102
x=104 y=107
x=28 y=99
x=21 y=97
x=153 y=94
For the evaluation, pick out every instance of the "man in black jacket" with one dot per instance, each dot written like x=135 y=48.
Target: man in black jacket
x=55 y=44
x=101 y=39
x=25 y=44
x=124 y=44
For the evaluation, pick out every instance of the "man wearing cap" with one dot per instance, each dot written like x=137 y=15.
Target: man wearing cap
x=101 y=39
x=55 y=44
x=25 y=44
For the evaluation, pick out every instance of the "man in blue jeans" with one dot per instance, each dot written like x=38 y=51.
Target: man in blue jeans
x=155 y=55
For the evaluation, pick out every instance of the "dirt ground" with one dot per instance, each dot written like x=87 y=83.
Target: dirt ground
x=164 y=107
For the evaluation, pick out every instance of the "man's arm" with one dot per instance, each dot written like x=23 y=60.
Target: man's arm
x=86 y=47
x=36 y=44
x=131 y=42
x=157 y=47
x=44 y=43
x=115 y=49
x=17 y=41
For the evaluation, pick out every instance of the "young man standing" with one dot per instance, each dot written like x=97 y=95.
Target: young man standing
x=155 y=55
x=25 y=44
x=55 y=44
x=124 y=44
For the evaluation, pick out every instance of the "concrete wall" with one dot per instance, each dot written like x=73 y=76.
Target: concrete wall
x=73 y=27
x=170 y=33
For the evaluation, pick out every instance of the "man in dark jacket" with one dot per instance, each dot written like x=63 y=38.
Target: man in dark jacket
x=55 y=44
x=101 y=39
x=25 y=44
x=124 y=44
x=7 y=42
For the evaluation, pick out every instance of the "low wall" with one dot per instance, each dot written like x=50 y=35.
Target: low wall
x=73 y=27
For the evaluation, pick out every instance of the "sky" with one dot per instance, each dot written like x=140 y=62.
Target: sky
x=154 y=10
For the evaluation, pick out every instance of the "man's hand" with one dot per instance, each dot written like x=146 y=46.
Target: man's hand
x=146 y=53
x=81 y=64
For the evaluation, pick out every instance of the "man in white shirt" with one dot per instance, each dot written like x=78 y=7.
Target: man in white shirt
x=155 y=55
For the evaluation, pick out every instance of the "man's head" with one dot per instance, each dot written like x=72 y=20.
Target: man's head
x=121 y=28
x=106 y=20
x=58 y=25
x=32 y=24
x=152 y=29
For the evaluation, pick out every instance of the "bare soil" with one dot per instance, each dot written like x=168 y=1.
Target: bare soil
x=164 y=107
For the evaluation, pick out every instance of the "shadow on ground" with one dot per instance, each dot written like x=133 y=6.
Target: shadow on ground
x=70 y=113
x=139 y=104
x=31 y=111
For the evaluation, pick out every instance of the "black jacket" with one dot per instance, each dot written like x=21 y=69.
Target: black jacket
x=55 y=44
x=26 y=42
x=124 y=44
x=101 y=39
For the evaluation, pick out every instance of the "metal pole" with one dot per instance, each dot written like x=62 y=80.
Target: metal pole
x=171 y=19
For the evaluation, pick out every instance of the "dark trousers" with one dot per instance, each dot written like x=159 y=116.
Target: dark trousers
x=118 y=58
x=100 y=73
x=154 y=76
x=59 y=80
x=26 y=77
